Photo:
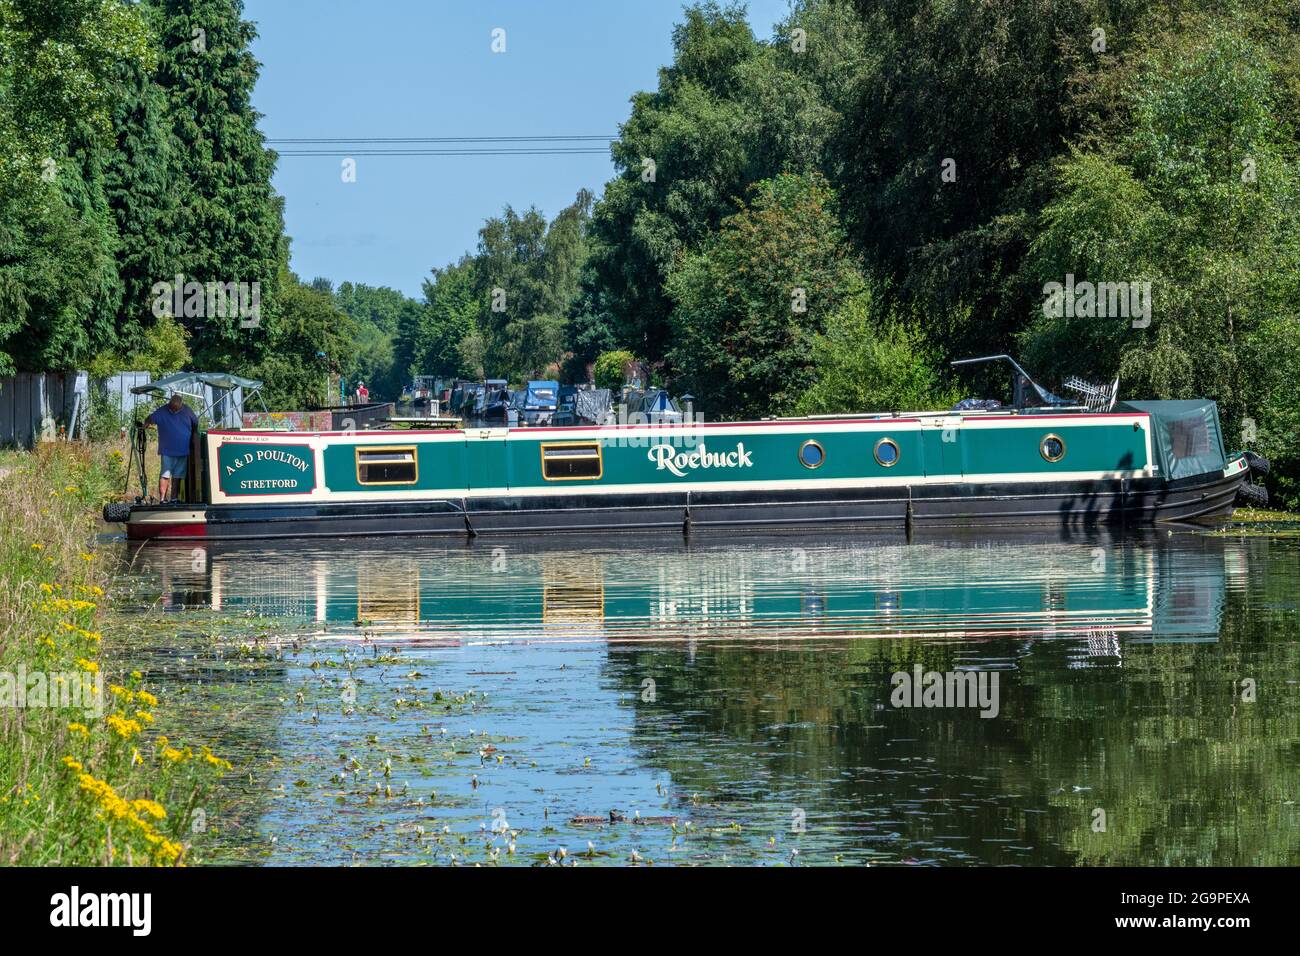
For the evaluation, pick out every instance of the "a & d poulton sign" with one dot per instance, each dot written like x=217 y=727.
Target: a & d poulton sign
x=246 y=469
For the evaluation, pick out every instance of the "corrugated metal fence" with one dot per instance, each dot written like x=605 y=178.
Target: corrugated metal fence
x=34 y=401
x=30 y=401
x=117 y=389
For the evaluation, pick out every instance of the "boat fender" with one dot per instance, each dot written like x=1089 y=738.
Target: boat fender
x=1256 y=496
x=1259 y=465
x=117 y=512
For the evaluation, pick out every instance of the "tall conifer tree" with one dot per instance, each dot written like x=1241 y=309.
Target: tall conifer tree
x=231 y=223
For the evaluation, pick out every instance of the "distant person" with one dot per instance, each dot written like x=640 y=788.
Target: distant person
x=175 y=422
x=363 y=393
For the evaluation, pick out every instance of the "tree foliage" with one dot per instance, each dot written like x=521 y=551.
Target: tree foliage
x=748 y=303
x=232 y=226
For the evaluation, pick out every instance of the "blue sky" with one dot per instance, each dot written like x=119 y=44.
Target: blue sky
x=418 y=68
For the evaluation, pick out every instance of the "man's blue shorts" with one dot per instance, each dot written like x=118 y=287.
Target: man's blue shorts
x=175 y=466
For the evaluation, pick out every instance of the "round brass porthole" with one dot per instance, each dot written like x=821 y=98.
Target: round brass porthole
x=812 y=454
x=886 y=452
x=1052 y=447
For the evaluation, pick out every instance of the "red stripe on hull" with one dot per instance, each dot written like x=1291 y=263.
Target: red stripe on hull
x=188 y=530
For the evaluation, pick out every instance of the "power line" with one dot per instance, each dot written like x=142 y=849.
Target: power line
x=443 y=152
x=439 y=139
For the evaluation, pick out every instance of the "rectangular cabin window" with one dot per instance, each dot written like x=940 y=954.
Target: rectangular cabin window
x=571 y=461
x=1189 y=437
x=387 y=465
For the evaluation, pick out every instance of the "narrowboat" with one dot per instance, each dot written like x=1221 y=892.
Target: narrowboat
x=540 y=401
x=1038 y=461
x=496 y=406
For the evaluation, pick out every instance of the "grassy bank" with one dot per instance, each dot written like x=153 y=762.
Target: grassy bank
x=88 y=774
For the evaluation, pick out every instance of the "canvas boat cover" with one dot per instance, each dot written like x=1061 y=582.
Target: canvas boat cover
x=542 y=394
x=188 y=382
x=592 y=405
x=1186 y=436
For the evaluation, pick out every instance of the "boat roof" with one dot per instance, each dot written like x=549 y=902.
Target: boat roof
x=975 y=415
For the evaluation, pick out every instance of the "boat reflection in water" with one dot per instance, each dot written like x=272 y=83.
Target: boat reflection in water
x=751 y=683
x=1141 y=587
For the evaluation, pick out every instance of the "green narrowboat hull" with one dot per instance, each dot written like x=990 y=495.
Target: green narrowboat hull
x=1060 y=468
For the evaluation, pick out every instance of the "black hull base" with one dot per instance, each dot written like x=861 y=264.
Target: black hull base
x=1064 y=505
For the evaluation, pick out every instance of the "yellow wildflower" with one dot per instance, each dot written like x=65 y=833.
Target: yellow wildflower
x=79 y=729
x=70 y=762
x=114 y=807
x=147 y=698
x=150 y=807
x=126 y=729
x=86 y=665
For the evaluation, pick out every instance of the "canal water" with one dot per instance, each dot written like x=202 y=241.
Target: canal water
x=1132 y=699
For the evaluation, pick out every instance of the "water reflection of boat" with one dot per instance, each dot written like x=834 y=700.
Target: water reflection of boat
x=1095 y=586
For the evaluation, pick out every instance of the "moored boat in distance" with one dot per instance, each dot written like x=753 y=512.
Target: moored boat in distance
x=1040 y=461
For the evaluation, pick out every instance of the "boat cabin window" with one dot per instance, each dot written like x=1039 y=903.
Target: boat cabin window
x=571 y=461
x=386 y=465
x=886 y=452
x=1052 y=447
x=811 y=454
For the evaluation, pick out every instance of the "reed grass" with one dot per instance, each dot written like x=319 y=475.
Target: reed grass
x=97 y=785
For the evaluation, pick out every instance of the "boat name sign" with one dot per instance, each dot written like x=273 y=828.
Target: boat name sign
x=679 y=462
x=265 y=469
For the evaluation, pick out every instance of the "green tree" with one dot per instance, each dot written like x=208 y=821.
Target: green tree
x=611 y=368
x=1199 y=197
x=57 y=63
x=748 y=304
x=867 y=362
x=232 y=227
x=681 y=156
x=379 y=313
x=58 y=287
x=528 y=273
x=438 y=337
x=313 y=338
x=54 y=269
x=139 y=182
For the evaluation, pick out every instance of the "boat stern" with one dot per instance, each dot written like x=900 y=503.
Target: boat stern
x=144 y=521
